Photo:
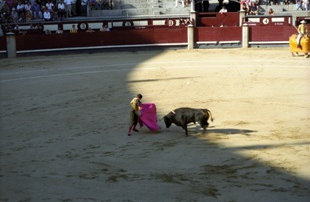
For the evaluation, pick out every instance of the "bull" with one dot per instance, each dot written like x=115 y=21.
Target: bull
x=185 y=115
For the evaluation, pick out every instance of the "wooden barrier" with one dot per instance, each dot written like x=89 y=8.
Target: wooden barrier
x=217 y=34
x=115 y=37
x=140 y=32
x=270 y=33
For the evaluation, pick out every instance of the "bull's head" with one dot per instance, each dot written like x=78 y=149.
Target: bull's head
x=167 y=121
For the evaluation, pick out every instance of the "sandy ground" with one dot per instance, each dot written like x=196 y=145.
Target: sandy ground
x=64 y=123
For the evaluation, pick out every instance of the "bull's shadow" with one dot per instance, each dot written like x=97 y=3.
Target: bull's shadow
x=230 y=131
x=224 y=131
x=156 y=80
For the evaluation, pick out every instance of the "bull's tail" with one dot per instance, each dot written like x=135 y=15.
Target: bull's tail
x=208 y=113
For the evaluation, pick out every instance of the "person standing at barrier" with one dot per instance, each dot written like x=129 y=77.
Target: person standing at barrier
x=134 y=113
x=302 y=30
x=61 y=10
x=84 y=7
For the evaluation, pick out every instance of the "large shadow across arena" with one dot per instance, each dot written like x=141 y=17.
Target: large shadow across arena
x=64 y=121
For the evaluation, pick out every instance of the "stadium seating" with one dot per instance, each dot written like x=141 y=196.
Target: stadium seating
x=129 y=8
x=140 y=8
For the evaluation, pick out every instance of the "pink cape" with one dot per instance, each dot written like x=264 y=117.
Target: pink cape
x=148 y=116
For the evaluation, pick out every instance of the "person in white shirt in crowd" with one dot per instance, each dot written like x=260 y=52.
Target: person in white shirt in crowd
x=14 y=15
x=177 y=3
x=110 y=4
x=223 y=10
x=20 y=10
x=298 y=5
x=28 y=11
x=47 y=15
x=68 y=8
x=84 y=7
x=305 y=5
x=28 y=7
x=61 y=10
x=50 y=6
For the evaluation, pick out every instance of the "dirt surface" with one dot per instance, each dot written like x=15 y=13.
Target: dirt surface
x=64 y=122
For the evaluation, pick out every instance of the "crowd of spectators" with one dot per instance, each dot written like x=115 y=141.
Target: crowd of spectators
x=250 y=7
x=302 y=5
x=15 y=11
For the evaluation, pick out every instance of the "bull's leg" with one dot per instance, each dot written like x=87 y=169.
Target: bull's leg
x=185 y=128
x=204 y=123
x=205 y=126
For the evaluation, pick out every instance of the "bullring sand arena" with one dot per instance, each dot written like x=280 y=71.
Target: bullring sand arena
x=64 y=123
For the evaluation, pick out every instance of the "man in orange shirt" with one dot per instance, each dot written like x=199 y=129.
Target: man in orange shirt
x=134 y=113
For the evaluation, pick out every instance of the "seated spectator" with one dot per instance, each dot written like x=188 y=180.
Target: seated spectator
x=244 y=6
x=50 y=6
x=271 y=11
x=93 y=4
x=111 y=4
x=298 y=5
x=5 y=12
x=36 y=11
x=28 y=11
x=47 y=15
x=223 y=10
x=73 y=29
x=14 y=15
x=104 y=28
x=253 y=9
x=21 y=11
x=177 y=2
x=305 y=5
x=61 y=10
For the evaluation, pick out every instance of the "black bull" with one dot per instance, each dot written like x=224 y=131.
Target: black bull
x=183 y=116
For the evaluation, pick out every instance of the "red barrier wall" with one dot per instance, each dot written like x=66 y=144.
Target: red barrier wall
x=218 y=34
x=271 y=33
x=115 y=37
